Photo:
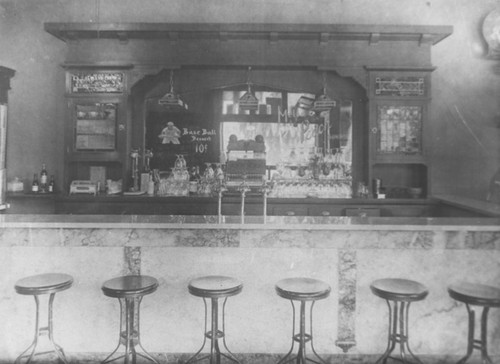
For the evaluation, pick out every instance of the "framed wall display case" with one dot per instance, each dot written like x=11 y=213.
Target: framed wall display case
x=97 y=123
x=398 y=101
x=96 y=127
x=5 y=75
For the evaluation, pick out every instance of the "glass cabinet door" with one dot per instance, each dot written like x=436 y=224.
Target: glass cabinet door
x=95 y=127
x=399 y=129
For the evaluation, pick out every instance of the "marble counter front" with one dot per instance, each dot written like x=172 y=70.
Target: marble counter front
x=346 y=252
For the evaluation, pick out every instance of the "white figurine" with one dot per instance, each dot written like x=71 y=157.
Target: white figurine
x=170 y=134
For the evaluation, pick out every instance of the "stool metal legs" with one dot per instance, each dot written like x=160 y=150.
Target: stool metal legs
x=214 y=335
x=398 y=333
x=302 y=338
x=39 y=331
x=129 y=333
x=473 y=343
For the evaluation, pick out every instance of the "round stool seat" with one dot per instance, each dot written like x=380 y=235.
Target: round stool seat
x=303 y=289
x=129 y=286
x=43 y=283
x=475 y=294
x=215 y=286
x=397 y=289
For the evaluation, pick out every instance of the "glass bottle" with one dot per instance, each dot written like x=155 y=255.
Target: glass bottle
x=35 y=184
x=43 y=179
x=180 y=162
x=193 y=181
x=52 y=184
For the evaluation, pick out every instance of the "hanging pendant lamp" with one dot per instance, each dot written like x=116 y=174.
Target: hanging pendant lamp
x=323 y=102
x=172 y=100
x=248 y=101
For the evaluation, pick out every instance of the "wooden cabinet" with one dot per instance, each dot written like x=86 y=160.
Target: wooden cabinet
x=231 y=206
x=398 y=104
x=325 y=210
x=96 y=125
x=289 y=210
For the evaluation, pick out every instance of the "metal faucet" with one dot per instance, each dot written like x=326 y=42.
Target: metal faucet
x=221 y=189
x=265 y=190
x=243 y=188
x=134 y=155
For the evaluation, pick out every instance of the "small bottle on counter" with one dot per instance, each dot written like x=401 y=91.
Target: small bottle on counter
x=151 y=185
x=194 y=179
x=52 y=185
x=43 y=179
x=35 y=185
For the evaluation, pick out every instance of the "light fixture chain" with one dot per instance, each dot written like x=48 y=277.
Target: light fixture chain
x=248 y=78
x=324 y=83
x=171 y=81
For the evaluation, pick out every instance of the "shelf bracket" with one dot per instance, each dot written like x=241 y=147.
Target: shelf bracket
x=223 y=36
x=173 y=36
x=425 y=39
x=324 y=38
x=122 y=37
x=374 y=38
x=273 y=37
x=72 y=37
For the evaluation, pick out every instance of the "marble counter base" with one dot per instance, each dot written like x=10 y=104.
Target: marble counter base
x=164 y=358
x=352 y=319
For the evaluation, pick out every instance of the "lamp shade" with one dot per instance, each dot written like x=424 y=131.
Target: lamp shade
x=248 y=101
x=323 y=103
x=171 y=100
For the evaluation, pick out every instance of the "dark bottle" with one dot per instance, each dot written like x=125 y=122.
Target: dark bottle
x=44 y=179
x=52 y=185
x=194 y=179
x=35 y=186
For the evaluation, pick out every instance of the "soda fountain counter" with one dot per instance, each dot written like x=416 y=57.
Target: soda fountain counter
x=346 y=252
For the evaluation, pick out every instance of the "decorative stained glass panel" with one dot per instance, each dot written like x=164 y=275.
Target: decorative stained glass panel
x=399 y=86
x=399 y=129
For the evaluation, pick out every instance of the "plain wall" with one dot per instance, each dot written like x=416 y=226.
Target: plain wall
x=465 y=113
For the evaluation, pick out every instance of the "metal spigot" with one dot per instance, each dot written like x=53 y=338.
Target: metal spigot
x=243 y=188
x=265 y=190
x=148 y=154
x=134 y=155
x=221 y=189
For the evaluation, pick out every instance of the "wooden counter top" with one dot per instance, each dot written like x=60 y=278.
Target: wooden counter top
x=251 y=222
x=483 y=207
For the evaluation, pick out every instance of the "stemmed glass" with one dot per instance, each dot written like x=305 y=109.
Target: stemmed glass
x=180 y=162
x=209 y=172
x=219 y=174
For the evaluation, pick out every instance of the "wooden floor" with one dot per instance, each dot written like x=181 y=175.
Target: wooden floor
x=84 y=358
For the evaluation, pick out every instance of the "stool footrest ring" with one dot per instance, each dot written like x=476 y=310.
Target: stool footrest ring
x=298 y=338
x=218 y=335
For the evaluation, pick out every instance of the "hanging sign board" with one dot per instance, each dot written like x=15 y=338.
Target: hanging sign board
x=96 y=82
x=167 y=137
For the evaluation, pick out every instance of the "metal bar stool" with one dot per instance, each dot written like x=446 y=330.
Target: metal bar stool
x=401 y=292
x=37 y=285
x=214 y=287
x=303 y=290
x=130 y=290
x=476 y=295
